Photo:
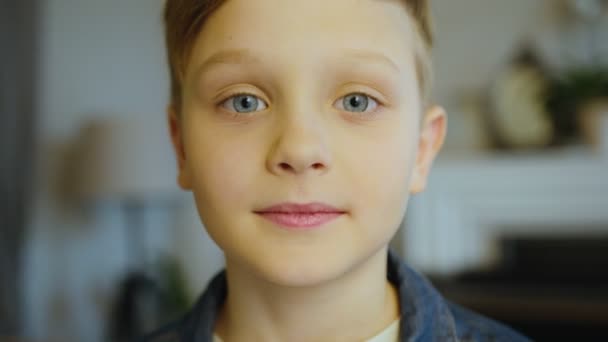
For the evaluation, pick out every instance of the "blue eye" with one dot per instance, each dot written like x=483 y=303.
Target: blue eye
x=244 y=103
x=357 y=103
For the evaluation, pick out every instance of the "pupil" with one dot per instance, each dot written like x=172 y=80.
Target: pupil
x=246 y=102
x=354 y=101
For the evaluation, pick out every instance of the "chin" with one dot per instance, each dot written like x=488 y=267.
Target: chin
x=300 y=275
x=301 y=270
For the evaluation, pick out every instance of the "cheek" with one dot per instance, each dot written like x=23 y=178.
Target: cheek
x=222 y=169
x=381 y=171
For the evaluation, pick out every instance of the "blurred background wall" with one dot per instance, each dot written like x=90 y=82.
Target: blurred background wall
x=18 y=32
x=104 y=60
x=98 y=60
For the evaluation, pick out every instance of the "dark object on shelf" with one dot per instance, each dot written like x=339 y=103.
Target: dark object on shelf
x=145 y=303
x=567 y=94
x=151 y=294
x=548 y=288
x=138 y=309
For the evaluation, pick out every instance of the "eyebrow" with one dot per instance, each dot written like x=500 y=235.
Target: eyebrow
x=232 y=56
x=246 y=56
x=371 y=56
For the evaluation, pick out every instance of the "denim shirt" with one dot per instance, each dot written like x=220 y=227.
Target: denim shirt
x=425 y=314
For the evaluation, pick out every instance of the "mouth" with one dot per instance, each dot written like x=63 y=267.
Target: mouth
x=300 y=216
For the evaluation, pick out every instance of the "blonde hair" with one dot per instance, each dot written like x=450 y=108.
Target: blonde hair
x=185 y=18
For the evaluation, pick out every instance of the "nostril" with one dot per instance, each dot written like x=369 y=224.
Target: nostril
x=290 y=168
x=317 y=166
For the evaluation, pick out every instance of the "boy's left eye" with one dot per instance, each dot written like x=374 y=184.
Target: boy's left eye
x=357 y=103
x=244 y=103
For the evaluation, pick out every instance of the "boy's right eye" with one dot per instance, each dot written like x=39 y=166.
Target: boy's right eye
x=244 y=103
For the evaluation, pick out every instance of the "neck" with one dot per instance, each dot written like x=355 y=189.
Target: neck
x=356 y=306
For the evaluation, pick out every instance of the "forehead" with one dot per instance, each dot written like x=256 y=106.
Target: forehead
x=305 y=31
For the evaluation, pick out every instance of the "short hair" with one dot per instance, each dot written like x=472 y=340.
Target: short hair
x=184 y=19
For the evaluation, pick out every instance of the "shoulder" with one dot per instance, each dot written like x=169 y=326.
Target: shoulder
x=471 y=326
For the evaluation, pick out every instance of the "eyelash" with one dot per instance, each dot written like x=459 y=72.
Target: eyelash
x=241 y=93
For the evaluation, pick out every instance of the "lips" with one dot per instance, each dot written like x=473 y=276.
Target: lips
x=300 y=216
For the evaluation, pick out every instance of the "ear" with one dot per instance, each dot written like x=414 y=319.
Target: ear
x=175 y=128
x=431 y=139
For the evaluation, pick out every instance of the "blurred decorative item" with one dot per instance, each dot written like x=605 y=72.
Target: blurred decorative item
x=567 y=97
x=517 y=115
x=593 y=122
x=129 y=163
x=575 y=91
x=536 y=102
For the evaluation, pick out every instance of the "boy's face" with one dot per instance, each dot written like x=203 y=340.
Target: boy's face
x=331 y=114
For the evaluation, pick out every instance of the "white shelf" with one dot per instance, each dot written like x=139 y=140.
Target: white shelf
x=473 y=200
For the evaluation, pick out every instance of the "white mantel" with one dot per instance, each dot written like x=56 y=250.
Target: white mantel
x=471 y=201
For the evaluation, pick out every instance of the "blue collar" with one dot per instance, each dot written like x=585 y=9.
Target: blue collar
x=425 y=316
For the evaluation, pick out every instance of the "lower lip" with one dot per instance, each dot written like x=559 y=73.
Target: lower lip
x=300 y=221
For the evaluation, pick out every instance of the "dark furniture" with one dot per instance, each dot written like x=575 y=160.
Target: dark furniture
x=549 y=289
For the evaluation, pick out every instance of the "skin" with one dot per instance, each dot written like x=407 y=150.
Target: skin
x=302 y=144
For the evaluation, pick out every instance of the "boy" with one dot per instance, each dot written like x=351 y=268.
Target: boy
x=301 y=127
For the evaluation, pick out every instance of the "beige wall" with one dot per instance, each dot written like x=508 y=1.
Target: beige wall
x=475 y=37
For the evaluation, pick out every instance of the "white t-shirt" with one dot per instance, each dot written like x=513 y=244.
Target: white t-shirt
x=390 y=334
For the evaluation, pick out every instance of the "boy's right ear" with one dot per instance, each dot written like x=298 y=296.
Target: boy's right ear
x=175 y=129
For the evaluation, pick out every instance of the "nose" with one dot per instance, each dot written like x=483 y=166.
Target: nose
x=300 y=147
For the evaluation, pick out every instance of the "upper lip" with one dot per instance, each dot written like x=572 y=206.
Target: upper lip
x=296 y=208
